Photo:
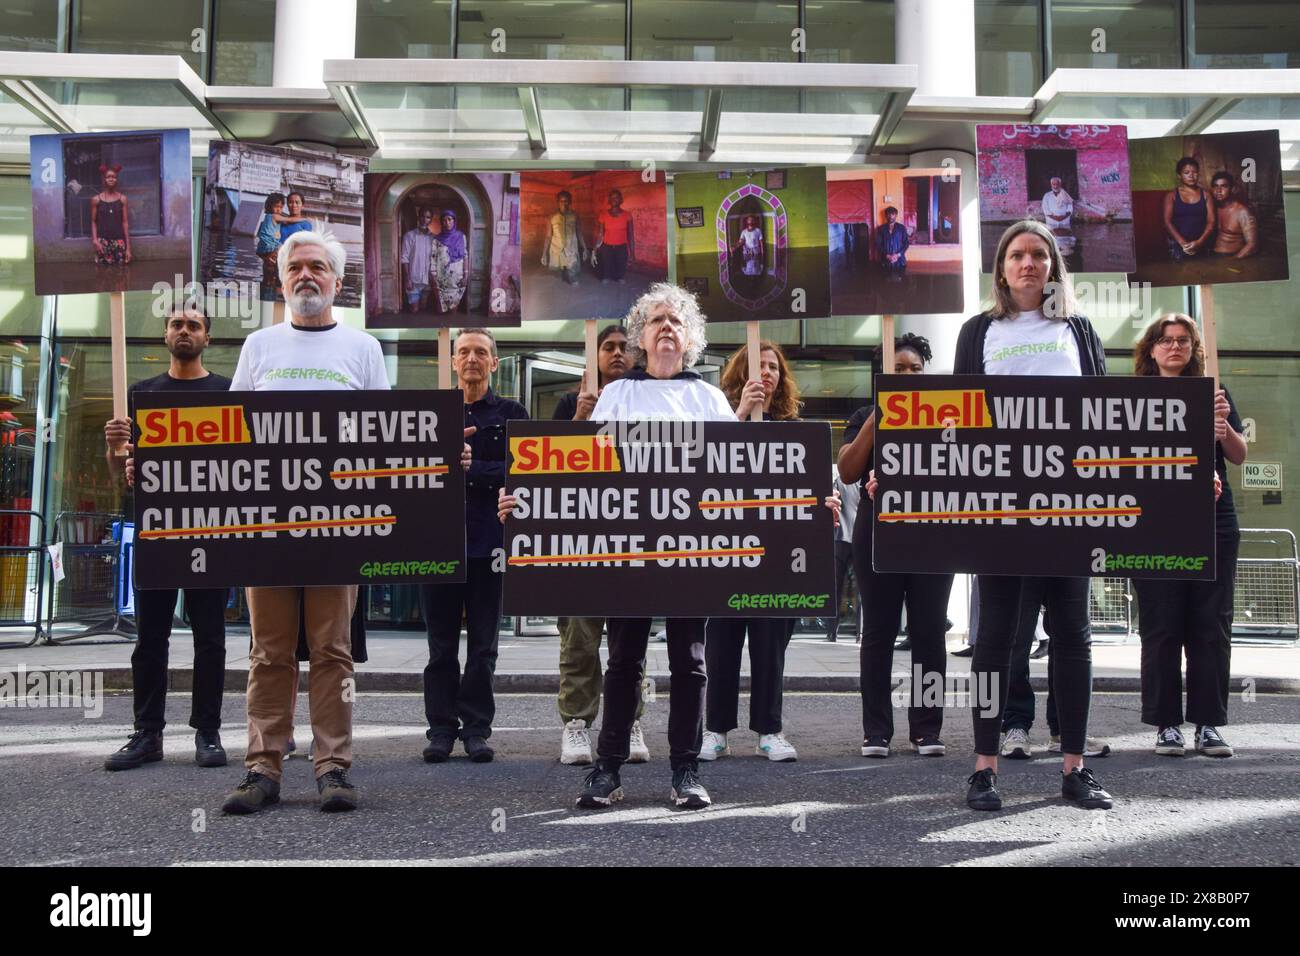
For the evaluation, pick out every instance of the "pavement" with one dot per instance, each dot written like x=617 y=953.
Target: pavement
x=529 y=663
x=830 y=808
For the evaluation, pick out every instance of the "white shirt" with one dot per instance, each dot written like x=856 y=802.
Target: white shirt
x=417 y=251
x=1029 y=343
x=1058 y=207
x=285 y=358
x=680 y=399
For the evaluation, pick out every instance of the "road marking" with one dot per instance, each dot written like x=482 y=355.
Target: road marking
x=724 y=811
x=482 y=859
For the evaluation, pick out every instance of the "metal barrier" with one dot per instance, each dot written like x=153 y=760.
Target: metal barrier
x=1267 y=595
x=22 y=574
x=1110 y=606
x=92 y=591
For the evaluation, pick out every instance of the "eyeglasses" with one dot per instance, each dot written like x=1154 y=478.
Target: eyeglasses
x=1166 y=342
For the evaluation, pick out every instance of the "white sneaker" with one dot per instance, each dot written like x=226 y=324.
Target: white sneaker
x=1015 y=744
x=637 y=751
x=575 y=745
x=776 y=748
x=715 y=746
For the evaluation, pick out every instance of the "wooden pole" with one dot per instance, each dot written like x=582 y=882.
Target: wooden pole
x=1209 y=334
x=753 y=351
x=887 y=344
x=444 y=358
x=117 y=338
x=277 y=312
x=592 y=381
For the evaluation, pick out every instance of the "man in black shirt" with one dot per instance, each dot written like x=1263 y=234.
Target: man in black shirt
x=187 y=335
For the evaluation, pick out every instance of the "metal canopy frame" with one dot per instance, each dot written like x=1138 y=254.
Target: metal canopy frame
x=609 y=134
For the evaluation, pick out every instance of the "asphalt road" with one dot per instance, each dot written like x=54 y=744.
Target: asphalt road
x=832 y=807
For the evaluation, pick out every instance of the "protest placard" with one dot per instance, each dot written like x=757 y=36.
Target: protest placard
x=299 y=488
x=669 y=518
x=1056 y=476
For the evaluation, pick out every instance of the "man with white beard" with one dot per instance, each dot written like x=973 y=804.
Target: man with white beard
x=310 y=352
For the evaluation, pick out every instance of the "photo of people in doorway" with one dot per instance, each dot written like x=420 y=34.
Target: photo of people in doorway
x=1208 y=209
x=1075 y=179
x=752 y=244
x=111 y=211
x=895 y=241
x=593 y=241
x=256 y=197
x=442 y=250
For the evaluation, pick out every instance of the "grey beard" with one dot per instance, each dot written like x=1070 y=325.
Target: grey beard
x=310 y=304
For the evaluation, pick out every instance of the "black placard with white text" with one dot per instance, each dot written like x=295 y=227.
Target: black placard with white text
x=1055 y=476
x=299 y=488
x=681 y=519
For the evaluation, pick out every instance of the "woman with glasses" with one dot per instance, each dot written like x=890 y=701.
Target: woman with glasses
x=1190 y=617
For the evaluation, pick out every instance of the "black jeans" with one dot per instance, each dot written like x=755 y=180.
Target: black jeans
x=843 y=562
x=768 y=639
x=1195 y=618
x=628 y=638
x=456 y=704
x=206 y=608
x=613 y=261
x=1001 y=611
x=1019 y=710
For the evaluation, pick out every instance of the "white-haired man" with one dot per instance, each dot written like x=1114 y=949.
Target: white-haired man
x=310 y=352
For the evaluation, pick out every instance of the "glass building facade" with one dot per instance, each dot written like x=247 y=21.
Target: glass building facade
x=54 y=351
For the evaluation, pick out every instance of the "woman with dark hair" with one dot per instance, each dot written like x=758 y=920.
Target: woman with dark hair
x=1033 y=328
x=724 y=637
x=1191 y=617
x=884 y=595
x=295 y=221
x=110 y=225
x=1189 y=212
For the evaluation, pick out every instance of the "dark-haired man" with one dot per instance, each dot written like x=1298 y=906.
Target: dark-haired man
x=1238 y=234
x=187 y=334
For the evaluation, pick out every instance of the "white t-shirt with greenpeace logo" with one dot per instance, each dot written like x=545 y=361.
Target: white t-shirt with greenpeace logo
x=287 y=358
x=1029 y=343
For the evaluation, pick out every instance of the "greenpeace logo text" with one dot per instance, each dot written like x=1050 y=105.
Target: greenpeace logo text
x=393 y=569
x=76 y=909
x=1155 y=562
x=759 y=601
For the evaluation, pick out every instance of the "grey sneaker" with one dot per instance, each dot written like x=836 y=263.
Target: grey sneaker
x=336 y=793
x=1015 y=744
x=255 y=792
x=1092 y=746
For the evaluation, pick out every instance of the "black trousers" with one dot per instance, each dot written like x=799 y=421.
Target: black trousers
x=768 y=639
x=1192 y=618
x=613 y=261
x=1001 y=612
x=843 y=562
x=628 y=638
x=1019 y=710
x=457 y=704
x=153 y=618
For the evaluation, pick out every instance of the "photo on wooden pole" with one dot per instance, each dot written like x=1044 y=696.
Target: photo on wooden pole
x=256 y=197
x=111 y=212
x=760 y=251
x=1208 y=209
x=1075 y=179
x=442 y=251
x=593 y=241
x=895 y=241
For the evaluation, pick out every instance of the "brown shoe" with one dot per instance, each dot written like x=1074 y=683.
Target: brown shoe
x=336 y=793
x=255 y=792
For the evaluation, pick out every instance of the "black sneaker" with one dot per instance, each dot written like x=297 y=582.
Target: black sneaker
x=208 y=751
x=143 y=746
x=1170 y=743
x=478 y=751
x=983 y=793
x=336 y=793
x=875 y=747
x=255 y=792
x=687 y=790
x=967 y=651
x=929 y=746
x=904 y=645
x=1211 y=743
x=600 y=789
x=1084 y=789
x=1042 y=650
x=439 y=749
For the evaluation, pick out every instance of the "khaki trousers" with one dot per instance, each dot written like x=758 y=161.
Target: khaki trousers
x=273 y=674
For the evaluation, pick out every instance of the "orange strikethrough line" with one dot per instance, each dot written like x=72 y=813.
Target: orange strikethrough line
x=1027 y=513
x=758 y=503
x=381 y=472
x=269 y=526
x=1128 y=462
x=635 y=556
